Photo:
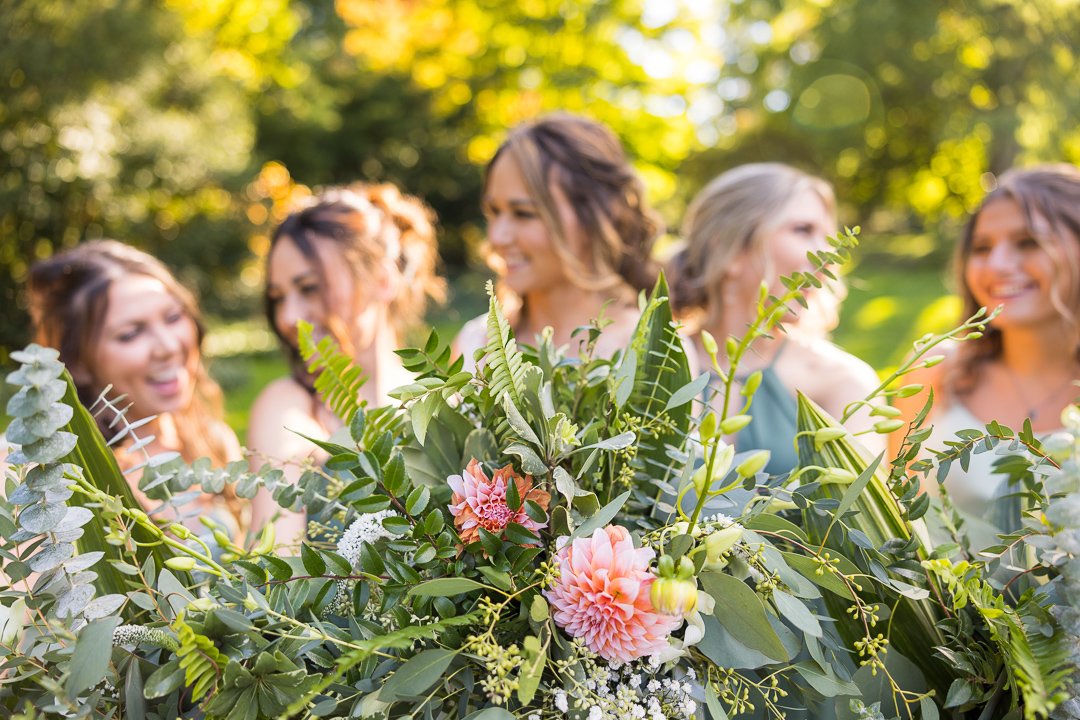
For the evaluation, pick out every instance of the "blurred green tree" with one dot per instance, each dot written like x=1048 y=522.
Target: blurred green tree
x=905 y=106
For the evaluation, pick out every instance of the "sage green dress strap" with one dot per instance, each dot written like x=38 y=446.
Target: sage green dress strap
x=774 y=425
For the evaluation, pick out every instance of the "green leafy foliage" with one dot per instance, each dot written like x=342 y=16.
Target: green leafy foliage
x=337 y=379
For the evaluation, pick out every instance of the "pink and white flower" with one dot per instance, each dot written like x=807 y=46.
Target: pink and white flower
x=480 y=502
x=602 y=597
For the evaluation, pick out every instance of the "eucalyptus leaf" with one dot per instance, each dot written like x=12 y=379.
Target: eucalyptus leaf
x=50 y=556
x=796 y=613
x=50 y=449
x=93 y=649
x=164 y=680
x=74 y=600
x=43 y=517
x=741 y=611
x=103 y=606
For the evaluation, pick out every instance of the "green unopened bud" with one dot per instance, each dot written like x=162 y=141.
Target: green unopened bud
x=908 y=390
x=672 y=596
x=686 y=568
x=180 y=563
x=665 y=566
x=840 y=476
x=885 y=411
x=974 y=335
x=720 y=542
x=933 y=360
x=707 y=430
x=731 y=347
x=202 y=604
x=887 y=426
x=180 y=531
x=778 y=505
x=828 y=434
x=222 y=538
x=752 y=383
x=734 y=424
x=752 y=465
x=709 y=343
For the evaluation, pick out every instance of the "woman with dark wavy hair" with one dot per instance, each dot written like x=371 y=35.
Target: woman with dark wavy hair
x=569 y=233
x=1021 y=251
x=359 y=264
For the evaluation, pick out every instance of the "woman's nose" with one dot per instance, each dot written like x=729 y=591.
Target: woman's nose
x=1002 y=257
x=289 y=313
x=500 y=231
x=167 y=341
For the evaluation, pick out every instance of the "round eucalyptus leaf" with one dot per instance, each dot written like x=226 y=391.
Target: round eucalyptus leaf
x=68 y=536
x=24 y=495
x=35 y=375
x=83 y=561
x=50 y=556
x=44 y=478
x=20 y=432
x=103 y=606
x=74 y=600
x=76 y=517
x=34 y=353
x=31 y=400
x=42 y=518
x=46 y=423
x=58 y=496
x=50 y=449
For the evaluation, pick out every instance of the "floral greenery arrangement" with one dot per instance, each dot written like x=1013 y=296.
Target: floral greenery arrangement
x=543 y=538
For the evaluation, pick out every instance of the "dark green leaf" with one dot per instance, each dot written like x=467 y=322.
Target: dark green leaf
x=417 y=675
x=93 y=648
x=313 y=563
x=446 y=587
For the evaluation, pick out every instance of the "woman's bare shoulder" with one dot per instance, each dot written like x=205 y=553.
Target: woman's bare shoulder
x=282 y=407
x=471 y=337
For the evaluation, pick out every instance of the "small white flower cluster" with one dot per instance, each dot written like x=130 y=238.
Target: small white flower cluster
x=366 y=528
x=632 y=691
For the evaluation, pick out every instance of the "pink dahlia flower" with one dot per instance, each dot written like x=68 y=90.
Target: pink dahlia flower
x=481 y=503
x=602 y=597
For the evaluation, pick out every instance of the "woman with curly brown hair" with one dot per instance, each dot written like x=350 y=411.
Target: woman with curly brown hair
x=358 y=264
x=569 y=233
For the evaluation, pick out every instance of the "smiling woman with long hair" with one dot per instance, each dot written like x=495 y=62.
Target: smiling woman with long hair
x=358 y=264
x=752 y=224
x=1021 y=251
x=569 y=233
x=119 y=318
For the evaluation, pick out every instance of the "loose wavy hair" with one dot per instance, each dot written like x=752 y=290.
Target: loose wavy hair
x=587 y=163
x=69 y=297
x=369 y=225
x=732 y=215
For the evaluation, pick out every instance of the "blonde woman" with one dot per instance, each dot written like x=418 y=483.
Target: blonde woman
x=119 y=318
x=569 y=233
x=1020 y=250
x=752 y=224
x=359 y=265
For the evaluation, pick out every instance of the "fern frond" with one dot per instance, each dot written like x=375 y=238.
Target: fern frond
x=202 y=662
x=501 y=355
x=338 y=381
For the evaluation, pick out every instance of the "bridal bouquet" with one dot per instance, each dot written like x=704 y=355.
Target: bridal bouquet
x=540 y=538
